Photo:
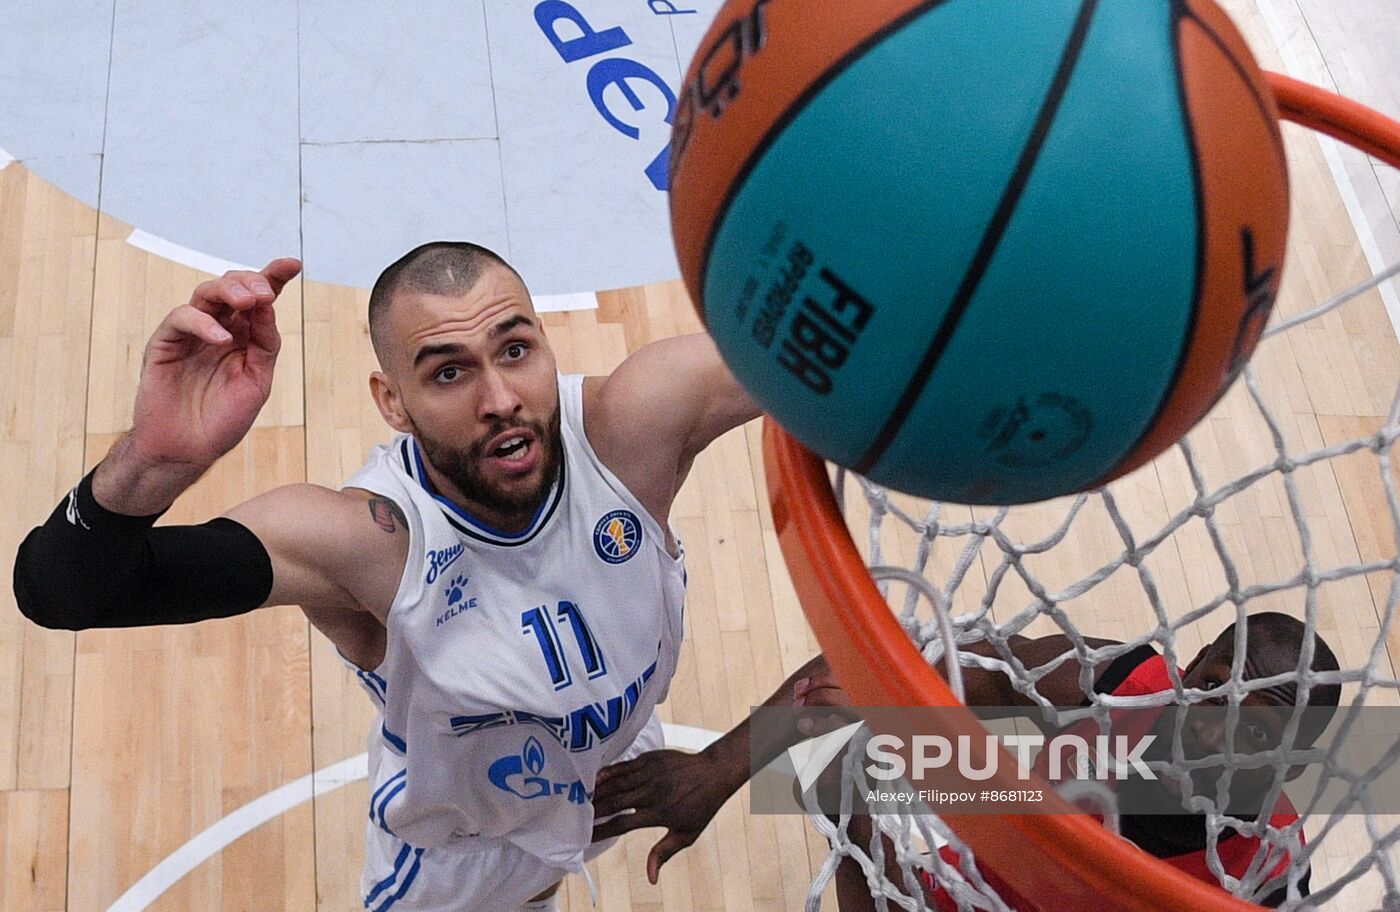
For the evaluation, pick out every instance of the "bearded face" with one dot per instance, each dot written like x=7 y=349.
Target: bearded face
x=474 y=380
x=482 y=471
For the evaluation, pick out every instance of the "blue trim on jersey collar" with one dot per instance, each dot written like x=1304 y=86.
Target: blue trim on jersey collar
x=463 y=514
x=474 y=527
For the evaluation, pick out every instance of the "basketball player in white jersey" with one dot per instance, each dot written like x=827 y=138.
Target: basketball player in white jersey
x=502 y=574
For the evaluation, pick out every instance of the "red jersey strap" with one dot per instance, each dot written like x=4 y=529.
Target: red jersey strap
x=1149 y=674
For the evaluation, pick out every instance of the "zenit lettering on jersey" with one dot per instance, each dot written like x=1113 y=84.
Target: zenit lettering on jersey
x=440 y=560
x=582 y=729
x=462 y=726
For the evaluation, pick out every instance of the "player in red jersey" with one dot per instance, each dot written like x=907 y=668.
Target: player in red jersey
x=682 y=792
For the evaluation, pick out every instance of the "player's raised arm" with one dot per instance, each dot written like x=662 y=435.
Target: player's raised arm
x=683 y=792
x=99 y=561
x=206 y=374
x=661 y=407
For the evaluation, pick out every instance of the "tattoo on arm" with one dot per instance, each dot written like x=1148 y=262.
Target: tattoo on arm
x=385 y=513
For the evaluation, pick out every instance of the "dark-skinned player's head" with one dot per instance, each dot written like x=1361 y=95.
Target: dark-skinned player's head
x=465 y=367
x=1273 y=647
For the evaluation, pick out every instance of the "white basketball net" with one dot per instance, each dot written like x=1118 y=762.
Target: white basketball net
x=1279 y=533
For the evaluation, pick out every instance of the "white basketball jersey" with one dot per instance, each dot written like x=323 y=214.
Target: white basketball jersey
x=518 y=665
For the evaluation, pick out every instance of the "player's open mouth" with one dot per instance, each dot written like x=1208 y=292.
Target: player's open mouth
x=514 y=451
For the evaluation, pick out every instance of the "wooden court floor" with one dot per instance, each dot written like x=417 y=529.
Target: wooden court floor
x=116 y=748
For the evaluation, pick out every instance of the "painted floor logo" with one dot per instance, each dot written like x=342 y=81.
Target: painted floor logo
x=540 y=129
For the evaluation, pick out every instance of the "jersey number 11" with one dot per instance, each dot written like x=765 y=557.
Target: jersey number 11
x=537 y=621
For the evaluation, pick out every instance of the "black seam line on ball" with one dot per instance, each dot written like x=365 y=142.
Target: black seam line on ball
x=990 y=241
x=1275 y=134
x=1180 y=14
x=781 y=124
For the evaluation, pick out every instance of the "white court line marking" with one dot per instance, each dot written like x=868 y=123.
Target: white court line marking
x=1374 y=258
x=562 y=303
x=6 y=159
x=687 y=737
x=244 y=820
x=144 y=240
x=260 y=810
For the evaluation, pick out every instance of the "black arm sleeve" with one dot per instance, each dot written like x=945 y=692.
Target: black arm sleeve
x=89 y=567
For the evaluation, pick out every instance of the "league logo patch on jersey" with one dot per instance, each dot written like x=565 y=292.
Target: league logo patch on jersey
x=617 y=536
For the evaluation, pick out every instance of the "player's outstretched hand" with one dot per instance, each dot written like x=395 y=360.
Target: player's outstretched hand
x=663 y=788
x=828 y=707
x=208 y=367
x=827 y=703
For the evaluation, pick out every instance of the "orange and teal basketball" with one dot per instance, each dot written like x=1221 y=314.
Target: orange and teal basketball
x=987 y=251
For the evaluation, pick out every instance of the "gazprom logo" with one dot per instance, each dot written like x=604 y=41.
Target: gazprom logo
x=617 y=536
x=522 y=775
x=533 y=755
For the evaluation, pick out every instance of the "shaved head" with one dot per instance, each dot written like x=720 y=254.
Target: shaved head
x=466 y=369
x=438 y=268
x=1275 y=647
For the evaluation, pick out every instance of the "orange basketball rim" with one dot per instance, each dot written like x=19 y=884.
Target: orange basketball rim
x=1068 y=859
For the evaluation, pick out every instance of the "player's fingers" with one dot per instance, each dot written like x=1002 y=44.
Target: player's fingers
x=824 y=695
x=215 y=295
x=624 y=823
x=613 y=827
x=262 y=328
x=615 y=800
x=281 y=271
x=238 y=289
x=185 y=321
x=264 y=341
x=821 y=723
x=813 y=684
x=821 y=678
x=661 y=853
x=254 y=283
x=618 y=773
